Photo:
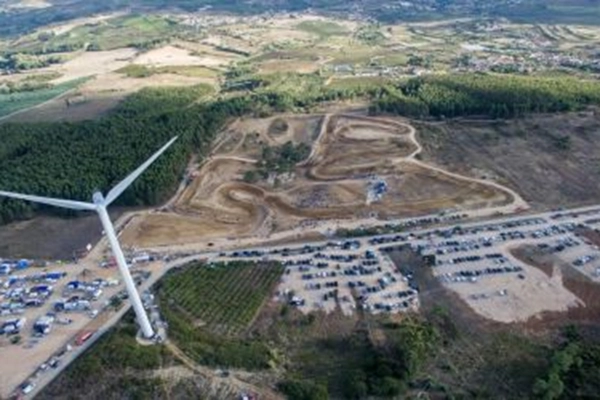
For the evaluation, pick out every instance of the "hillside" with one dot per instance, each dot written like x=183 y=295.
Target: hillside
x=18 y=17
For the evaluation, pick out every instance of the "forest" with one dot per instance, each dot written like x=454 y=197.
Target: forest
x=72 y=160
x=486 y=95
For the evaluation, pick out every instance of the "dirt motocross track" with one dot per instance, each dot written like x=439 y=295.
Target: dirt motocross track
x=348 y=153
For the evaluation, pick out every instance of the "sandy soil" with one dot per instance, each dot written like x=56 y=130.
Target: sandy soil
x=524 y=299
x=171 y=55
x=588 y=291
x=92 y=63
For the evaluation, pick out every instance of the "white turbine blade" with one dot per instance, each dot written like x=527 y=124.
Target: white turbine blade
x=73 y=205
x=124 y=184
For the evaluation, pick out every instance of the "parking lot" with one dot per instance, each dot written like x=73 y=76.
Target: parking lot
x=472 y=259
x=47 y=309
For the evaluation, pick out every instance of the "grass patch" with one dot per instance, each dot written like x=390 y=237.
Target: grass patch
x=370 y=35
x=10 y=103
x=292 y=84
x=191 y=71
x=323 y=29
x=136 y=71
x=143 y=71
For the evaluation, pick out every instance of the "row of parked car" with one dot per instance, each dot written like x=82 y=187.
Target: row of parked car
x=20 y=292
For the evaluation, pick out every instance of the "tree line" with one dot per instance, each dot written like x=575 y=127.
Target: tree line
x=486 y=95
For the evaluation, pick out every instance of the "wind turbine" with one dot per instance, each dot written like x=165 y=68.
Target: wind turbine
x=99 y=205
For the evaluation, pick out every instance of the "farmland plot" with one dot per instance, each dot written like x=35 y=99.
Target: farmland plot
x=223 y=298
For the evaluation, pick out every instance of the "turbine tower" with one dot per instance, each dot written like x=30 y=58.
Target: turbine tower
x=99 y=205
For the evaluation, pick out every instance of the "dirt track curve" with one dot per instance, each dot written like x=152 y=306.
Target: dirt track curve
x=347 y=153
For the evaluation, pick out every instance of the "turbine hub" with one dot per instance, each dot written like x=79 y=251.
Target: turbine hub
x=98 y=198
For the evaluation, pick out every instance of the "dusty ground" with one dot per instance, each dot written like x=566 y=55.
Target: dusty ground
x=171 y=55
x=587 y=314
x=524 y=154
x=346 y=152
x=523 y=299
x=92 y=63
x=50 y=238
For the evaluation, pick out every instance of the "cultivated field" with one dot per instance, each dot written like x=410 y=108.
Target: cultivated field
x=221 y=298
x=342 y=53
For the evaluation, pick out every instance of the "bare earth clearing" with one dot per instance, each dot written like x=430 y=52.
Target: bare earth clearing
x=171 y=55
x=525 y=154
x=510 y=300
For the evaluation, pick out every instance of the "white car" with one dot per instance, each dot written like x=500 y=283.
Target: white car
x=27 y=387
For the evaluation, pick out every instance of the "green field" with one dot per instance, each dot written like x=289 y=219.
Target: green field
x=323 y=29
x=143 y=71
x=221 y=298
x=10 y=103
